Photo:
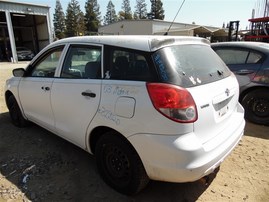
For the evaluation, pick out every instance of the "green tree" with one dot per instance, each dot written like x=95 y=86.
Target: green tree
x=141 y=10
x=92 y=16
x=126 y=12
x=110 y=16
x=74 y=21
x=59 y=20
x=157 y=11
x=135 y=16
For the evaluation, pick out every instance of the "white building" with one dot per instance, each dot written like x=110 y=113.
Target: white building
x=160 y=27
x=23 y=24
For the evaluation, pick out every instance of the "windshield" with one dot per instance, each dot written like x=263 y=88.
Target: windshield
x=189 y=65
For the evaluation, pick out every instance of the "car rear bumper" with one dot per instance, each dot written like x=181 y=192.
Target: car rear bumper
x=183 y=158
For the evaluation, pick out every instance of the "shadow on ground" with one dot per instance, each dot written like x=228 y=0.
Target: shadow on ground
x=259 y=131
x=48 y=168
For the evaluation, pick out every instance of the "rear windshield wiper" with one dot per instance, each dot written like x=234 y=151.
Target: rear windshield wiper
x=220 y=73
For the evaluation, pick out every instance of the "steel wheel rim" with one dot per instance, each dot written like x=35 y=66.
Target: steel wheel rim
x=260 y=107
x=117 y=164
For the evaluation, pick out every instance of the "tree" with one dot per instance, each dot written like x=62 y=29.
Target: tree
x=110 y=16
x=141 y=10
x=135 y=16
x=92 y=16
x=126 y=12
x=74 y=21
x=157 y=11
x=59 y=20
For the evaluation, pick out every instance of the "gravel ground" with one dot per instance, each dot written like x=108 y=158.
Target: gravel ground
x=36 y=165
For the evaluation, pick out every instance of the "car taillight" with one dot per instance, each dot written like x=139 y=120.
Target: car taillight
x=172 y=101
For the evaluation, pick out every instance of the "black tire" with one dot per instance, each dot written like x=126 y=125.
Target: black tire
x=119 y=165
x=256 y=105
x=15 y=113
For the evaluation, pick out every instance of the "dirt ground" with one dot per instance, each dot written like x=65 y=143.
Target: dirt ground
x=36 y=165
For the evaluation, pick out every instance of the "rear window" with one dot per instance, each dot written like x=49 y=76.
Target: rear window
x=189 y=65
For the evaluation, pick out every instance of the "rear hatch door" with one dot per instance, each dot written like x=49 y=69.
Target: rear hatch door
x=213 y=86
x=216 y=102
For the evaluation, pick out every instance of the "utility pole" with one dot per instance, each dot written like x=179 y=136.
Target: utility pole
x=265 y=9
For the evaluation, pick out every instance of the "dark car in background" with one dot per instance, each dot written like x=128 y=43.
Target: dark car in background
x=249 y=61
x=24 y=53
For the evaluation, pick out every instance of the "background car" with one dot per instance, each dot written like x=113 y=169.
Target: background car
x=24 y=53
x=250 y=63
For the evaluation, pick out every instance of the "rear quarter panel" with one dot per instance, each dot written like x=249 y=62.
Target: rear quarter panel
x=137 y=115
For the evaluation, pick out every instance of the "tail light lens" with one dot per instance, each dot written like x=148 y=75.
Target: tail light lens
x=172 y=101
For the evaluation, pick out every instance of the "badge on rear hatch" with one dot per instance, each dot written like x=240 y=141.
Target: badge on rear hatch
x=227 y=92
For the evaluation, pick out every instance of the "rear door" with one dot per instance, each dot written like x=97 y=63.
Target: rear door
x=76 y=93
x=216 y=105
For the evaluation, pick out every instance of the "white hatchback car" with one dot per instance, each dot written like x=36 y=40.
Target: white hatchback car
x=149 y=107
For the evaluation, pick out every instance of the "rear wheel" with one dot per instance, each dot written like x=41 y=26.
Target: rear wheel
x=119 y=164
x=256 y=105
x=15 y=113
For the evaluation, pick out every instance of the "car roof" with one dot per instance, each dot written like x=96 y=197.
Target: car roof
x=138 y=42
x=259 y=46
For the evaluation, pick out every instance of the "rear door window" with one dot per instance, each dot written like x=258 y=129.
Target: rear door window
x=254 y=58
x=242 y=61
x=126 y=64
x=189 y=65
x=235 y=56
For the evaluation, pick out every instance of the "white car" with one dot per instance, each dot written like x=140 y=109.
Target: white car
x=149 y=107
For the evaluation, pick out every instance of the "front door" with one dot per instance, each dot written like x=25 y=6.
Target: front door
x=35 y=89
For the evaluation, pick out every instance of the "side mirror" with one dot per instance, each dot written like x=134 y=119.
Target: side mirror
x=19 y=72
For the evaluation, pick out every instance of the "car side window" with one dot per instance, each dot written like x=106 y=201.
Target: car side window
x=254 y=58
x=127 y=65
x=238 y=56
x=82 y=62
x=233 y=56
x=47 y=65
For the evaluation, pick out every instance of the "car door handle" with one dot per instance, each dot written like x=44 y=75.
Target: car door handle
x=244 y=72
x=45 y=88
x=88 y=94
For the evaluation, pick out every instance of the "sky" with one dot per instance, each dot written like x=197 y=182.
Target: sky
x=201 y=12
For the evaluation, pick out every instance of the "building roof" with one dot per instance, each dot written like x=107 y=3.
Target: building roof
x=23 y=3
x=199 y=30
x=23 y=8
x=141 y=42
x=175 y=24
x=161 y=27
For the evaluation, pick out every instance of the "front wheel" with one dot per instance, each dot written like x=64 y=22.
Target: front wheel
x=119 y=164
x=256 y=105
x=15 y=113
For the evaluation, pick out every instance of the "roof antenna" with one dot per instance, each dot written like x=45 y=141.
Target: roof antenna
x=166 y=33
